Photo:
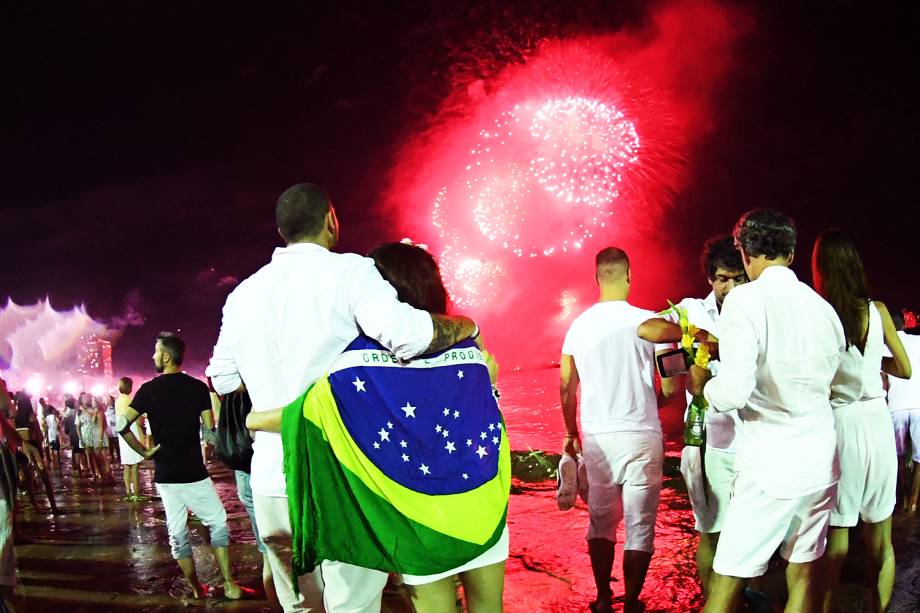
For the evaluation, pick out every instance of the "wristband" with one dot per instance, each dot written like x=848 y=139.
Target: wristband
x=576 y=435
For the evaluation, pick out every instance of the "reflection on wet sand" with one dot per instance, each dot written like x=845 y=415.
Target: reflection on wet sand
x=105 y=554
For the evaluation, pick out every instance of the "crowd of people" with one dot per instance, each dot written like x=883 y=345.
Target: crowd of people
x=808 y=397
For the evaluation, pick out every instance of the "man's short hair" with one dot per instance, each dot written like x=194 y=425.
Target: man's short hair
x=172 y=345
x=125 y=385
x=720 y=252
x=765 y=232
x=301 y=212
x=611 y=257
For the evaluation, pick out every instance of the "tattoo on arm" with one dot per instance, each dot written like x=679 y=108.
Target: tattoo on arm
x=448 y=331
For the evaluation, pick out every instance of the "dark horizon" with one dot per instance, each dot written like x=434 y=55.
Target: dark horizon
x=144 y=151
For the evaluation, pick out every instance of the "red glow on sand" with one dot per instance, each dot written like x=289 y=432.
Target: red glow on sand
x=523 y=177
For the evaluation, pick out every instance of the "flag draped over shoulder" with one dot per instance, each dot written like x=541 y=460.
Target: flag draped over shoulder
x=400 y=467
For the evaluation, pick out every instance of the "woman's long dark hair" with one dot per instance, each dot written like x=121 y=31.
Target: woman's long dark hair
x=840 y=278
x=415 y=275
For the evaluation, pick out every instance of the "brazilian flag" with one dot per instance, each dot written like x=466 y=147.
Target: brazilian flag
x=397 y=466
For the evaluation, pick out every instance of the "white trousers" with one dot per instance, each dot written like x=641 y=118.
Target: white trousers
x=201 y=499
x=334 y=587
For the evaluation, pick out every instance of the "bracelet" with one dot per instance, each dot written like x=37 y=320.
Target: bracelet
x=567 y=435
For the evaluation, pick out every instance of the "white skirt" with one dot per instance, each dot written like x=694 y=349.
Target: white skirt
x=495 y=554
x=128 y=455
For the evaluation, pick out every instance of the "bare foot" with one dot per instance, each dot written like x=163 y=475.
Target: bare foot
x=232 y=591
x=200 y=591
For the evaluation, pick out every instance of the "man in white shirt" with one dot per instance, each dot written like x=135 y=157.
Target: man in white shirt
x=620 y=438
x=780 y=346
x=709 y=493
x=282 y=328
x=904 y=404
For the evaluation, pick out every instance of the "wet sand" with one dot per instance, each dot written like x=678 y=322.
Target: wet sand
x=105 y=554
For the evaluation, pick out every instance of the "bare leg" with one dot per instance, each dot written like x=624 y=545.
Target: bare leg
x=437 y=597
x=268 y=584
x=724 y=592
x=191 y=576
x=46 y=481
x=804 y=591
x=483 y=588
x=135 y=486
x=635 y=567
x=601 y=552
x=705 y=553
x=879 y=562
x=838 y=543
x=231 y=589
x=126 y=476
x=914 y=490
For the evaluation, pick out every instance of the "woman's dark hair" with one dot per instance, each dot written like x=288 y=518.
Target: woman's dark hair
x=839 y=277
x=415 y=275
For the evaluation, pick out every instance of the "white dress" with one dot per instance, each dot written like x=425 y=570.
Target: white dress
x=128 y=455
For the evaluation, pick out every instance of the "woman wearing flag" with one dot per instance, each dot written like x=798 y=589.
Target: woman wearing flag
x=402 y=467
x=865 y=447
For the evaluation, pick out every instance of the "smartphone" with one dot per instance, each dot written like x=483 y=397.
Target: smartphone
x=672 y=362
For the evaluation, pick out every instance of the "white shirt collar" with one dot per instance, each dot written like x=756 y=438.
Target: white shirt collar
x=297 y=248
x=710 y=304
x=778 y=272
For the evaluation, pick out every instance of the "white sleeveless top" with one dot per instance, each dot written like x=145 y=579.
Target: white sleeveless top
x=859 y=377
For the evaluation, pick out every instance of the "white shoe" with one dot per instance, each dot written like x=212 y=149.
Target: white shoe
x=566 y=482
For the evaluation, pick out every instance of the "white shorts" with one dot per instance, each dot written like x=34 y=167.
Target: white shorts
x=907 y=422
x=709 y=498
x=868 y=464
x=493 y=555
x=624 y=481
x=757 y=523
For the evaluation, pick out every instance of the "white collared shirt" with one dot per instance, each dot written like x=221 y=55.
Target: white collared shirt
x=720 y=427
x=780 y=348
x=616 y=369
x=284 y=326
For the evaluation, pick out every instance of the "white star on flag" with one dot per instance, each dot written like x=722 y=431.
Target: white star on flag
x=403 y=444
x=491 y=427
x=456 y=414
x=459 y=374
x=445 y=434
x=424 y=469
x=359 y=385
x=469 y=442
x=481 y=452
x=465 y=476
x=438 y=428
x=405 y=458
x=482 y=435
x=446 y=412
x=384 y=435
x=376 y=445
x=390 y=425
x=450 y=447
x=495 y=440
x=409 y=410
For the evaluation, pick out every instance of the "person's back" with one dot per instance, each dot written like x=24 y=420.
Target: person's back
x=616 y=369
x=173 y=404
x=787 y=436
x=859 y=377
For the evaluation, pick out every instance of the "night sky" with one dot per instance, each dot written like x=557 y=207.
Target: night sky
x=144 y=144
